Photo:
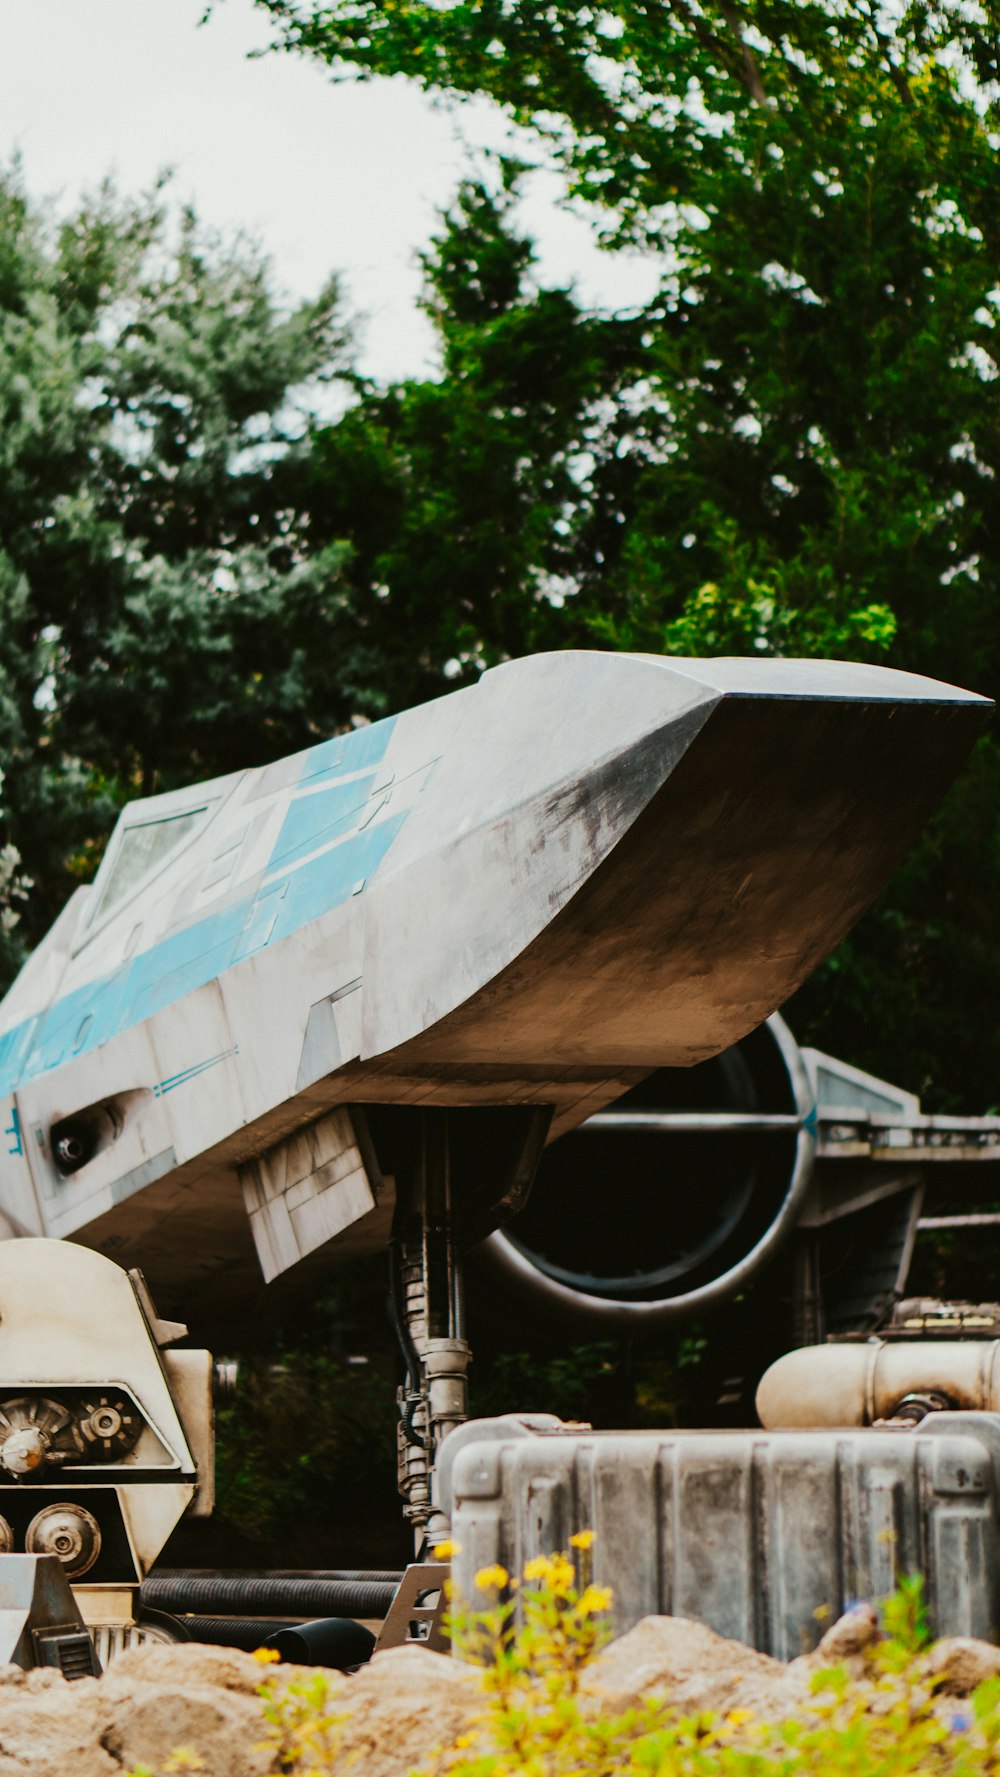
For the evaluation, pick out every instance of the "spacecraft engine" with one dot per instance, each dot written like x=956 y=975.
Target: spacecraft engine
x=716 y=1167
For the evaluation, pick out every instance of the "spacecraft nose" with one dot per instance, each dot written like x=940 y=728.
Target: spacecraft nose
x=635 y=860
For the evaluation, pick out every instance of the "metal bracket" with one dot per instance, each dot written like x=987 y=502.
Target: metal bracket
x=416 y=1615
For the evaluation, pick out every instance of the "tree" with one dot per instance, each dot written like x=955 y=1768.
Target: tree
x=818 y=361
x=796 y=448
x=160 y=618
x=458 y=495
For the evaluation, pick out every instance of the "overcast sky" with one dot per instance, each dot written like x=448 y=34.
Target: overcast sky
x=329 y=176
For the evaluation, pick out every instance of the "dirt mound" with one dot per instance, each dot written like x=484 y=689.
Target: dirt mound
x=156 y=1699
x=153 y=1701
x=699 y=1671
x=402 y=1706
x=407 y=1702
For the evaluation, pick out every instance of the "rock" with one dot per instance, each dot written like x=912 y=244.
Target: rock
x=149 y=1722
x=851 y=1634
x=408 y=1702
x=192 y=1662
x=692 y=1668
x=848 y=1642
x=161 y=1697
x=157 y=1699
x=154 y=1700
x=958 y=1663
x=403 y=1706
x=54 y=1728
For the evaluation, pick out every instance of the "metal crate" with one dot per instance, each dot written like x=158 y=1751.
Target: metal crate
x=760 y=1535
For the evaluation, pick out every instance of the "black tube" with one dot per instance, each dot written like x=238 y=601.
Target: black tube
x=331 y=1641
x=246 y=1595
x=247 y=1633
x=391 y=1575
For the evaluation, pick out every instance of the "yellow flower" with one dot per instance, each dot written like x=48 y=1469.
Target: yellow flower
x=595 y=1598
x=736 y=1716
x=540 y=1567
x=492 y=1576
x=444 y=1551
x=268 y=1656
x=584 y=1539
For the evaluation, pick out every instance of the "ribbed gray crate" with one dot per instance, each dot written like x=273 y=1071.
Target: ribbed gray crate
x=752 y=1533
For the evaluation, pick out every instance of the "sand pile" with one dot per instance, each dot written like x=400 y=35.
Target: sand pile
x=156 y=1699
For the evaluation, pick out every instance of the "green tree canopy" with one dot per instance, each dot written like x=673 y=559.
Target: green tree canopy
x=159 y=614
x=813 y=407
x=458 y=495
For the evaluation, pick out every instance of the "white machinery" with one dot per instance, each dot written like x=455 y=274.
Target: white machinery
x=105 y=1434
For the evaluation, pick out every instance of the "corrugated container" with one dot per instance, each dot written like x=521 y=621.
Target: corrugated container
x=764 y=1536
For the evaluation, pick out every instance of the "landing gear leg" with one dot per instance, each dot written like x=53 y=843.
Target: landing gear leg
x=429 y=1310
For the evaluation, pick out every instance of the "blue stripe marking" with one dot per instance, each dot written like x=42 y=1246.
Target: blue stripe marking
x=333 y=878
x=320 y=818
x=191 y=1073
x=348 y=752
x=15 y=1131
x=189 y=958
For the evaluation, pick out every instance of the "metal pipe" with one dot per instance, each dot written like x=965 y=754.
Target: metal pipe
x=247 y=1633
x=983 y=1219
x=391 y=1575
x=429 y=1312
x=857 y=1384
x=701 y=1122
x=248 y=1594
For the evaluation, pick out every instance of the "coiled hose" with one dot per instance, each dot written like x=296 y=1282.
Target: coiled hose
x=248 y=1633
x=394 y=1574
x=301 y=1596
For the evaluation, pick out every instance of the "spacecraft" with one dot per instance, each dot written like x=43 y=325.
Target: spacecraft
x=344 y=1001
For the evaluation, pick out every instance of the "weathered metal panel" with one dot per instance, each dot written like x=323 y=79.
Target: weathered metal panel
x=306 y=1191
x=759 y=1535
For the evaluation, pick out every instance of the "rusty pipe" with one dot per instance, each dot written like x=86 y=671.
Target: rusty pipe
x=858 y=1384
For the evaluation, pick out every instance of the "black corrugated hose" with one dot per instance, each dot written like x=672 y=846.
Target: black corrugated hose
x=332 y=1641
x=248 y=1633
x=251 y=1594
x=281 y=1573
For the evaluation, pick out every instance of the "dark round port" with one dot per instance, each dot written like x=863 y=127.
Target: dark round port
x=74 y=1142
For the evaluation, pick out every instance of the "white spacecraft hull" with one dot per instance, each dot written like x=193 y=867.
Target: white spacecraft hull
x=533 y=891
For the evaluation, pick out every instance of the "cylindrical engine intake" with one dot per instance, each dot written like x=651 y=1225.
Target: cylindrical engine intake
x=670 y=1201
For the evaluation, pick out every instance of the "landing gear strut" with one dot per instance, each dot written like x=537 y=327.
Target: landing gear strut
x=460 y=1175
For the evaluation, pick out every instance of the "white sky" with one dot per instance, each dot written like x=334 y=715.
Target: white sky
x=329 y=176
